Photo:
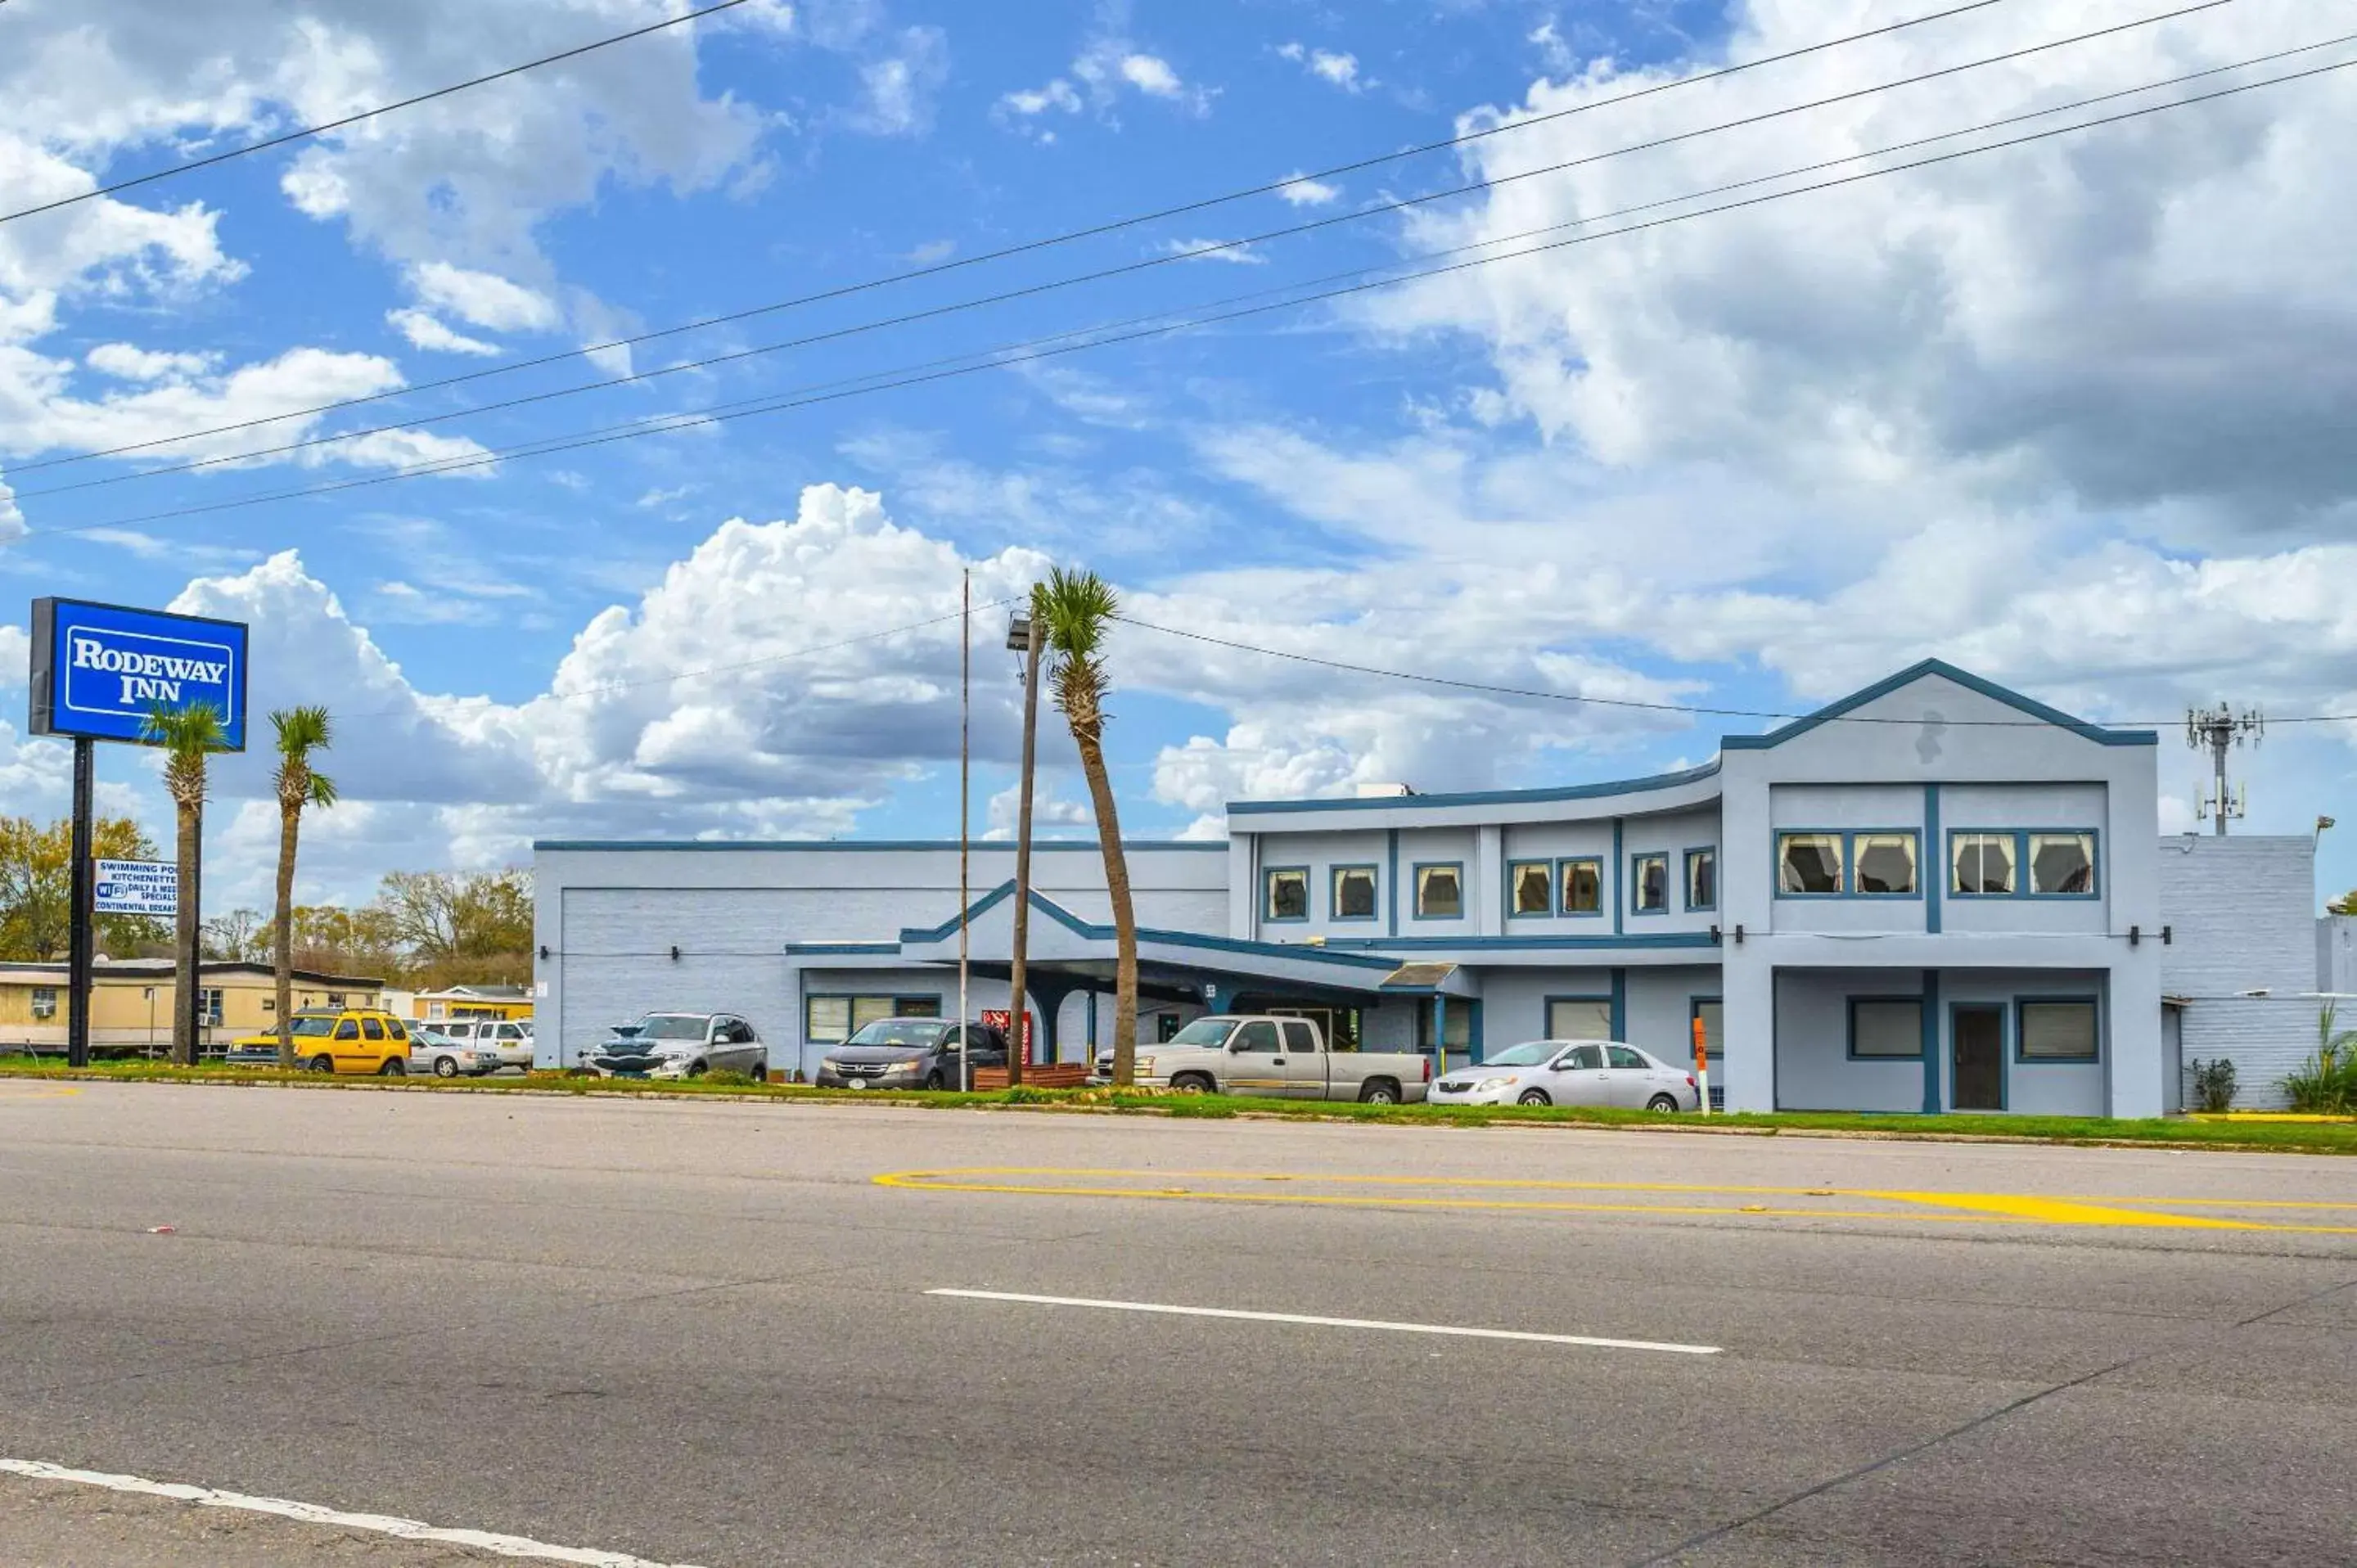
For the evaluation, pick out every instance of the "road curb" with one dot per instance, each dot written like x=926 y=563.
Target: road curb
x=885 y=1101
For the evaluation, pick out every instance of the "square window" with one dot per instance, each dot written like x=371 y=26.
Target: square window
x=1287 y=894
x=1885 y=862
x=826 y=1020
x=1532 y=886
x=1808 y=863
x=1457 y=1028
x=45 y=1001
x=1580 y=1018
x=1649 y=882
x=1583 y=887
x=2058 y=1031
x=1702 y=879
x=1354 y=892
x=1440 y=892
x=1884 y=1028
x=2062 y=864
x=1981 y=863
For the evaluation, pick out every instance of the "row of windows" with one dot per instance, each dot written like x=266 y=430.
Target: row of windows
x=1891 y=1029
x=831 y=1020
x=1881 y=863
x=1535 y=888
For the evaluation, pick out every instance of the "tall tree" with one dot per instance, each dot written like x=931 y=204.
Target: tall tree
x=300 y=731
x=1076 y=609
x=36 y=889
x=2344 y=905
x=461 y=927
x=189 y=736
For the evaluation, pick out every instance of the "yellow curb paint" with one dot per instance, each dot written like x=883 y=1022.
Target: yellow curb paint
x=1910 y=1207
x=43 y=1092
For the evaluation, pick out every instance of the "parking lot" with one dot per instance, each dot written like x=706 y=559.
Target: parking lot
x=731 y=1335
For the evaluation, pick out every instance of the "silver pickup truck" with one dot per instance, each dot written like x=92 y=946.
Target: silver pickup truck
x=1283 y=1058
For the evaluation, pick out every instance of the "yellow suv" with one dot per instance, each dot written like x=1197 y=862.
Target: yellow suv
x=349 y=1040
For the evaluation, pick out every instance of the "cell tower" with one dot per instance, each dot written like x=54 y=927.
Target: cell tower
x=2218 y=731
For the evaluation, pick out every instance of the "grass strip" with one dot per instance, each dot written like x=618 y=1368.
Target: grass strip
x=2280 y=1137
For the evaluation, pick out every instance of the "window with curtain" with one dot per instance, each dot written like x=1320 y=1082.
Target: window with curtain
x=1808 y=863
x=2062 y=864
x=1439 y=892
x=1702 y=879
x=1981 y=863
x=1530 y=884
x=1583 y=887
x=1649 y=877
x=2058 y=1031
x=1885 y=862
x=1287 y=895
x=1354 y=892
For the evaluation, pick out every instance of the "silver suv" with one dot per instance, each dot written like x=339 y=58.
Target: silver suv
x=680 y=1044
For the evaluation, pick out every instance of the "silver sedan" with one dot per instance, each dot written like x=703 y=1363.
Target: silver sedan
x=1571 y=1072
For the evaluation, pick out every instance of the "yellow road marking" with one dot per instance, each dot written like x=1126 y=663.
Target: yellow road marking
x=37 y=1092
x=1937 y=1208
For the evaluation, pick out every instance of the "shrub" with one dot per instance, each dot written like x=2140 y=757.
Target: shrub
x=2326 y=1083
x=2213 y=1084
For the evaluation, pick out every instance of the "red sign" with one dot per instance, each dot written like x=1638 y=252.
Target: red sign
x=1702 y=1046
x=1001 y=1020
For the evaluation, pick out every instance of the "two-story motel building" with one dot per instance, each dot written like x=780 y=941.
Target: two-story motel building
x=1933 y=895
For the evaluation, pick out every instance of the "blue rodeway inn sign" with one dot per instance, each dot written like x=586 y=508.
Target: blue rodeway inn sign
x=99 y=671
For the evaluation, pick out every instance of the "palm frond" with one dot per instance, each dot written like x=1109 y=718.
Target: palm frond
x=1075 y=612
x=302 y=731
x=321 y=791
x=194 y=730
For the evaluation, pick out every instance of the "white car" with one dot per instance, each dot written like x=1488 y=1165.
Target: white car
x=1571 y=1072
x=502 y=1042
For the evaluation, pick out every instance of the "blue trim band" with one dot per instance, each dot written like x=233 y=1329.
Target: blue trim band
x=863 y=847
x=1479 y=797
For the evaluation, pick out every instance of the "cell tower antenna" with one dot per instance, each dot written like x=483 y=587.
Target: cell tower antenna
x=2218 y=731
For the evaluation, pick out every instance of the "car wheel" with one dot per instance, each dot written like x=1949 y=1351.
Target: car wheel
x=1379 y=1091
x=761 y=1071
x=934 y=1080
x=393 y=1068
x=323 y=1064
x=1536 y=1097
x=696 y=1070
x=1193 y=1083
x=446 y=1067
x=1661 y=1102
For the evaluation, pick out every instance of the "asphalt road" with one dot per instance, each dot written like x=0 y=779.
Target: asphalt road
x=702 y=1334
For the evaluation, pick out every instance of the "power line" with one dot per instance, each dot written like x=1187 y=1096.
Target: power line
x=1685 y=710
x=1023 y=248
x=1008 y=358
x=1192 y=254
x=325 y=127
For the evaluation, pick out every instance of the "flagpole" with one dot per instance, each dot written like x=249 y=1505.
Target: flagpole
x=965 y=800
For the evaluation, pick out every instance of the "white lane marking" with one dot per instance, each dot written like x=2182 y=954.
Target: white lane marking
x=312 y=1513
x=1445 y=1329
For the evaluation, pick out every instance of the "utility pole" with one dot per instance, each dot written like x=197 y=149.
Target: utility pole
x=2218 y=731
x=1023 y=637
x=965 y=837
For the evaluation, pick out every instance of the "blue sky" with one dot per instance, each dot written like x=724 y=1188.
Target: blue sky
x=2026 y=412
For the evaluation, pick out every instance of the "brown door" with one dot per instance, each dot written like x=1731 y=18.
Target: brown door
x=1978 y=1049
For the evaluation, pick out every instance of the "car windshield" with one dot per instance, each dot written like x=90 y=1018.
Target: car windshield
x=671 y=1027
x=900 y=1032
x=1529 y=1055
x=314 y=1027
x=1204 y=1032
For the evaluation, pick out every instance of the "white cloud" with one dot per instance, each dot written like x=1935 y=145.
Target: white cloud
x=483 y=299
x=1303 y=191
x=1203 y=251
x=1151 y=75
x=1107 y=66
x=126 y=363
x=425 y=330
x=897 y=88
x=12 y=519
x=1334 y=67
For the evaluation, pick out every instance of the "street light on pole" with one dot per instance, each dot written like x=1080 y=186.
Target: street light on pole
x=1023 y=637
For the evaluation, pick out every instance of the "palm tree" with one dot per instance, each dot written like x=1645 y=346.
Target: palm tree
x=301 y=731
x=188 y=736
x=1074 y=611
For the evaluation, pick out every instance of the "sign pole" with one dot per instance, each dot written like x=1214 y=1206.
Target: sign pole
x=80 y=981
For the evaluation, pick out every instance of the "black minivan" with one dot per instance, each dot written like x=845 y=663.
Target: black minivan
x=910 y=1053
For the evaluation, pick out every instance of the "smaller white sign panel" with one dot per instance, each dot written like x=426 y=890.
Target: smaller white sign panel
x=148 y=887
